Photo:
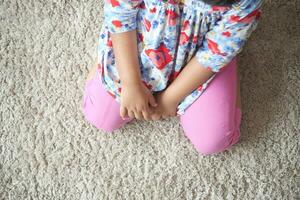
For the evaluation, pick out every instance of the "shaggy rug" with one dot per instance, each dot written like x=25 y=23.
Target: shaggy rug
x=48 y=150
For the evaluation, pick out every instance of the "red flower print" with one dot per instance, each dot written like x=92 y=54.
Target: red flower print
x=153 y=10
x=199 y=88
x=142 y=5
x=183 y=38
x=174 y=2
x=186 y=25
x=147 y=24
x=209 y=67
x=214 y=47
x=220 y=8
x=195 y=39
x=227 y=33
x=114 y=3
x=141 y=37
x=109 y=42
x=171 y=17
x=117 y=23
x=251 y=16
x=160 y=57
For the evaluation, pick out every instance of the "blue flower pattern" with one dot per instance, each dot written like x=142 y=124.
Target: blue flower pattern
x=169 y=34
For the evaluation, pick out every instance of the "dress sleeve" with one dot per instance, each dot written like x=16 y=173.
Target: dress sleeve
x=229 y=34
x=120 y=15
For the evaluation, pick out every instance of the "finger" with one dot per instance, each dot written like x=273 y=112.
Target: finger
x=152 y=101
x=146 y=113
x=150 y=110
x=138 y=114
x=131 y=114
x=123 y=112
x=155 y=116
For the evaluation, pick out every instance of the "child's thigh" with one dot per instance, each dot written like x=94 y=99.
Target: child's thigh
x=210 y=121
x=100 y=108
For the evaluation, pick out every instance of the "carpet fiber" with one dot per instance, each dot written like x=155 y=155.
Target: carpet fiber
x=48 y=150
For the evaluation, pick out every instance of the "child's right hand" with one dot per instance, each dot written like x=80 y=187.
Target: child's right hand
x=135 y=100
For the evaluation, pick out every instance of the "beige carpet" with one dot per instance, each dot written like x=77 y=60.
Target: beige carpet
x=48 y=151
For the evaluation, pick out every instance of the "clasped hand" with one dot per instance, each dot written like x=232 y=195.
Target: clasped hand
x=138 y=102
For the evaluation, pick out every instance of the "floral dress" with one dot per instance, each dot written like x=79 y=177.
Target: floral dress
x=169 y=34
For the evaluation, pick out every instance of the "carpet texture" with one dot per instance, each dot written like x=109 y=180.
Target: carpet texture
x=48 y=150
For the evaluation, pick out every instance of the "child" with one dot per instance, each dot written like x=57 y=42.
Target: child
x=157 y=57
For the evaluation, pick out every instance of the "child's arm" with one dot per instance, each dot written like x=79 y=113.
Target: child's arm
x=120 y=18
x=221 y=44
x=191 y=76
x=135 y=97
x=188 y=79
x=126 y=56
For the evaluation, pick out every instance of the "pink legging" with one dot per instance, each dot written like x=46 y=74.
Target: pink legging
x=212 y=122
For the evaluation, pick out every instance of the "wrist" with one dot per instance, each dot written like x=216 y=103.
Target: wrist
x=131 y=82
x=172 y=95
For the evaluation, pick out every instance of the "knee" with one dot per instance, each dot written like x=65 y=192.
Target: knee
x=215 y=143
x=93 y=113
x=95 y=118
x=99 y=115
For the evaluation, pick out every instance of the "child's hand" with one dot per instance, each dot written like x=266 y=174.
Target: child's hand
x=167 y=107
x=135 y=100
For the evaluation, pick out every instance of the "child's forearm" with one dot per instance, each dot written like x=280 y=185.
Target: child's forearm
x=126 y=55
x=191 y=77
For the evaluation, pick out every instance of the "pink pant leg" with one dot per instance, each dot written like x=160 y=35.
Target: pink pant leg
x=100 y=108
x=212 y=121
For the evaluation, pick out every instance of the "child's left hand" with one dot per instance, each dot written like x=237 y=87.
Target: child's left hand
x=166 y=107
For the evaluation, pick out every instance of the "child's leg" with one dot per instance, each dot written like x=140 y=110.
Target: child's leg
x=238 y=93
x=212 y=121
x=99 y=108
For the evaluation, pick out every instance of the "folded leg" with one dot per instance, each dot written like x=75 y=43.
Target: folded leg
x=212 y=121
x=100 y=108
